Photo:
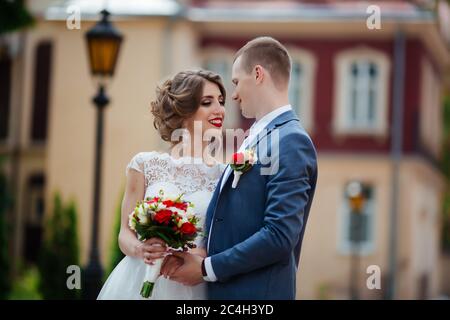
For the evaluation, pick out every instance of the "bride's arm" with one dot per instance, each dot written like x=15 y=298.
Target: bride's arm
x=128 y=242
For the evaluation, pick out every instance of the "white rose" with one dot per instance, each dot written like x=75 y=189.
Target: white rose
x=180 y=212
x=142 y=215
x=132 y=224
x=143 y=220
x=160 y=206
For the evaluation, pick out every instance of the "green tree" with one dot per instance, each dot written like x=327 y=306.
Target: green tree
x=26 y=286
x=60 y=250
x=13 y=16
x=5 y=203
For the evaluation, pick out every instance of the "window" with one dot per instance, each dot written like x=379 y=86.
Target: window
x=220 y=61
x=41 y=94
x=301 y=85
x=363 y=92
x=361 y=104
x=356 y=233
x=295 y=85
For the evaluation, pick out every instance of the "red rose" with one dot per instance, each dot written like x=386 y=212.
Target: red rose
x=181 y=205
x=168 y=203
x=163 y=216
x=238 y=158
x=155 y=199
x=188 y=228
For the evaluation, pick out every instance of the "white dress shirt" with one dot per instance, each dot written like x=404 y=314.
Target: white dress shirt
x=255 y=130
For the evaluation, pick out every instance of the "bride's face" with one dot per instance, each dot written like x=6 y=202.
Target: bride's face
x=211 y=111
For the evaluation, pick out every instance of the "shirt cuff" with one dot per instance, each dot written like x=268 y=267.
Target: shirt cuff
x=210 y=275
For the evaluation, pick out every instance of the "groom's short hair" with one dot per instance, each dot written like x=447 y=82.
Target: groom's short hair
x=270 y=54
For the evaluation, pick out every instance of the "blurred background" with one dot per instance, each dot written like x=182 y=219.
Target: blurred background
x=370 y=82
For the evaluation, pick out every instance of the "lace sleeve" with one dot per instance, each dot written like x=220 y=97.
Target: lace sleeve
x=136 y=163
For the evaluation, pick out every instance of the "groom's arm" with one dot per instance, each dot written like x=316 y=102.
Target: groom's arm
x=287 y=198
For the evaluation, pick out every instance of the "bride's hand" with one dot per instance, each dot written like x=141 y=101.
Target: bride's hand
x=170 y=265
x=151 y=249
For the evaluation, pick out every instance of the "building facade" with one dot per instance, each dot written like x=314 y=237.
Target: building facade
x=346 y=84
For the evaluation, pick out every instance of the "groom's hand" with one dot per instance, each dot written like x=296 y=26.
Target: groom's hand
x=190 y=273
x=170 y=265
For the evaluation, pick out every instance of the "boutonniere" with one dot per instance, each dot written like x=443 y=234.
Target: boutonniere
x=241 y=163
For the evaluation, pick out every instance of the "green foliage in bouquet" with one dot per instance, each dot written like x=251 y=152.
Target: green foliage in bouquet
x=60 y=250
x=174 y=239
x=116 y=255
x=170 y=232
x=169 y=236
x=5 y=203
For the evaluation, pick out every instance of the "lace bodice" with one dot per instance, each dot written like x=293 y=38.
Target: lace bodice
x=186 y=175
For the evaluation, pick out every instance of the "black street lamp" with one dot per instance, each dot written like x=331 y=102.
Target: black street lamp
x=103 y=42
x=357 y=198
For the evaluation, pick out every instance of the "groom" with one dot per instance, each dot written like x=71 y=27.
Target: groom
x=255 y=230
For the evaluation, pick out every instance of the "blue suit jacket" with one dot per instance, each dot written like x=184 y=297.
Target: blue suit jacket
x=256 y=229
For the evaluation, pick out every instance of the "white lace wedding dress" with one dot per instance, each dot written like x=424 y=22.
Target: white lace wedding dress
x=175 y=176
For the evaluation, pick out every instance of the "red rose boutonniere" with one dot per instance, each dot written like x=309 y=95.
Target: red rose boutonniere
x=241 y=162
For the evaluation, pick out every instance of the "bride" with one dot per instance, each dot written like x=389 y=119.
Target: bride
x=191 y=99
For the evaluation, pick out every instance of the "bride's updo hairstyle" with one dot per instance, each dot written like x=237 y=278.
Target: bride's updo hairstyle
x=179 y=98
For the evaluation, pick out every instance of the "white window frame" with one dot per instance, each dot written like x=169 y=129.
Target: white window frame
x=232 y=113
x=342 y=64
x=344 y=244
x=308 y=62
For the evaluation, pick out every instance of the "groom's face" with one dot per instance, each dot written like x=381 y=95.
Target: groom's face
x=244 y=91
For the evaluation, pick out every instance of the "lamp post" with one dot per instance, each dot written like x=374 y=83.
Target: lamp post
x=103 y=42
x=356 y=197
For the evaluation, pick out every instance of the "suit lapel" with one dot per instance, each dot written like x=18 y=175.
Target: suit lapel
x=275 y=123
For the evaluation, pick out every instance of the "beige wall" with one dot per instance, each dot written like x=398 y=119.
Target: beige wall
x=128 y=127
x=31 y=162
x=321 y=264
x=431 y=127
x=420 y=238
x=325 y=272
x=31 y=158
x=68 y=158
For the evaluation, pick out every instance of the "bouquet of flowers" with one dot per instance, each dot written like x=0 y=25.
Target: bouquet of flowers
x=169 y=218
